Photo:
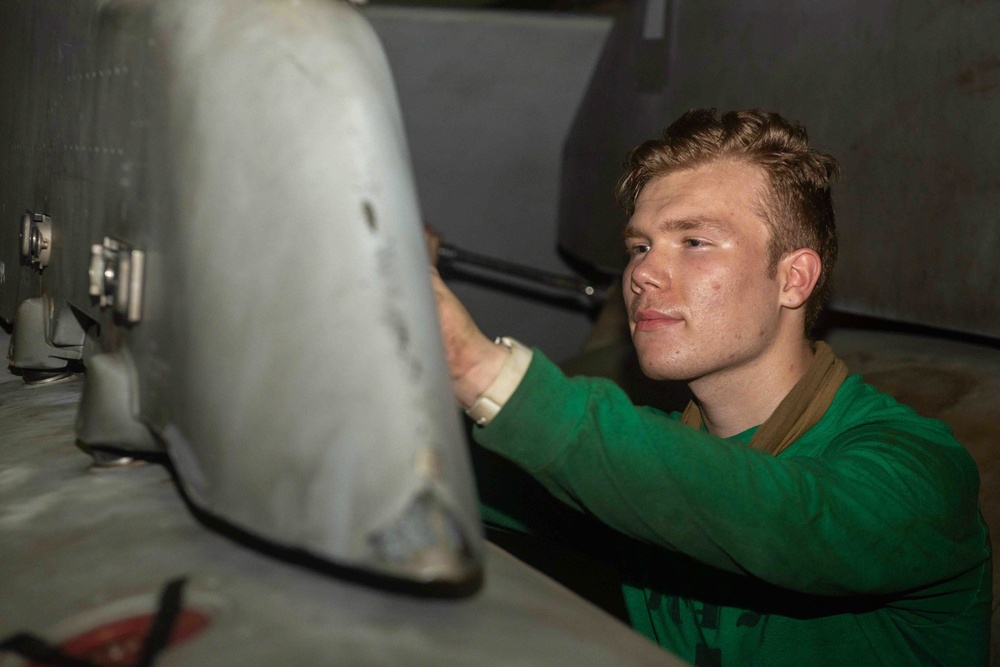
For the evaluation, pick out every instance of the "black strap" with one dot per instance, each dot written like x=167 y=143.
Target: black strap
x=171 y=600
x=40 y=651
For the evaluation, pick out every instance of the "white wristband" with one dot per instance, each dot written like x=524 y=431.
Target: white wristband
x=488 y=404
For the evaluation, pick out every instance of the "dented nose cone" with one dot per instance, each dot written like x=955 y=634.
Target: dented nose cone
x=426 y=543
x=308 y=379
x=285 y=352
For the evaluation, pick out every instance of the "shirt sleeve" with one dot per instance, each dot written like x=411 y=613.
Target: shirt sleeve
x=885 y=509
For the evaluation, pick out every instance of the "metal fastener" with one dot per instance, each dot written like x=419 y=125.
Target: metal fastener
x=116 y=278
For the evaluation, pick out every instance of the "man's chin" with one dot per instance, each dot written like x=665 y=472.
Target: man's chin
x=658 y=369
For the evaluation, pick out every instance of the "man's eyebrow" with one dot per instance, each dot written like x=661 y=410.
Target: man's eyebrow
x=695 y=223
x=629 y=232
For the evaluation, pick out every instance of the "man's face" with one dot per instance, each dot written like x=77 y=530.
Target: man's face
x=699 y=298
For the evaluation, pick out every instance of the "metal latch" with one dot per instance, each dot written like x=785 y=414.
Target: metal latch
x=116 y=278
x=36 y=239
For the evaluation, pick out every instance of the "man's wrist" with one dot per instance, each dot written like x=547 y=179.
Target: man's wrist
x=482 y=361
x=489 y=402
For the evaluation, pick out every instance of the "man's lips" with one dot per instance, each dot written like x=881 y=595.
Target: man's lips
x=650 y=320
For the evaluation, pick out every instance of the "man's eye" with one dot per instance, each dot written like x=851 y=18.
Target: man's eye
x=638 y=249
x=694 y=243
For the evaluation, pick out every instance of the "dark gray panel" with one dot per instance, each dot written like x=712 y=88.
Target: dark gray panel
x=487 y=99
x=906 y=95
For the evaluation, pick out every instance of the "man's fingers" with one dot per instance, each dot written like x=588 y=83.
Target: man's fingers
x=433 y=241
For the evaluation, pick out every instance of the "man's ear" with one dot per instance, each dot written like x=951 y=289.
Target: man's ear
x=798 y=271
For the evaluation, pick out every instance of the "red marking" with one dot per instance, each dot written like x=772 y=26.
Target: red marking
x=118 y=644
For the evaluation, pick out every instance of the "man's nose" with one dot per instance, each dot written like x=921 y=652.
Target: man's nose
x=650 y=271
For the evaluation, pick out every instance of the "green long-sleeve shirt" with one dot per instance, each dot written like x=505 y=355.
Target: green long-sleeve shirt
x=860 y=544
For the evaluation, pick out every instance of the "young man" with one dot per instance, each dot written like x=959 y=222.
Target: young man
x=792 y=515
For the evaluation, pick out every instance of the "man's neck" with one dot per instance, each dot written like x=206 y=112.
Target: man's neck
x=746 y=396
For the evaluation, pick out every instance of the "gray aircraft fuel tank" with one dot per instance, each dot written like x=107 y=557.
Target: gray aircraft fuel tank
x=241 y=172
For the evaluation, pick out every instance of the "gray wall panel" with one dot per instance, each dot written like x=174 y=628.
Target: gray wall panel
x=487 y=99
x=906 y=95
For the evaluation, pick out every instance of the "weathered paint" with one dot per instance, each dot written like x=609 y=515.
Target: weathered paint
x=287 y=356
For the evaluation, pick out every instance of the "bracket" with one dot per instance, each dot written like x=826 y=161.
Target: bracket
x=116 y=278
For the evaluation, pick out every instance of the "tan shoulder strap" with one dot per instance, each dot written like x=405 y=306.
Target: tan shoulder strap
x=800 y=410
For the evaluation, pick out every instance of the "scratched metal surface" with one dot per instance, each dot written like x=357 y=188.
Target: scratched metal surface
x=905 y=94
x=79 y=549
x=289 y=355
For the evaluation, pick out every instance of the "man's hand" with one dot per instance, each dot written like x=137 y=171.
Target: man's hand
x=473 y=359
